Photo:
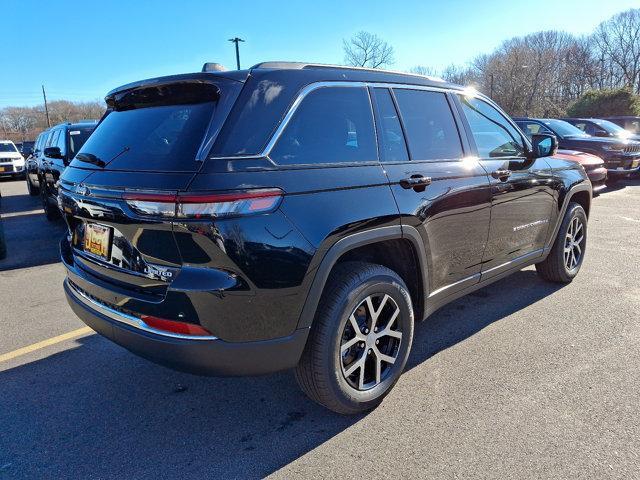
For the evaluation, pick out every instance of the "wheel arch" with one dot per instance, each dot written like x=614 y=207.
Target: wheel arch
x=580 y=193
x=346 y=248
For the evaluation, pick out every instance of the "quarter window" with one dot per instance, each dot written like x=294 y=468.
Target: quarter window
x=331 y=125
x=390 y=136
x=429 y=125
x=493 y=134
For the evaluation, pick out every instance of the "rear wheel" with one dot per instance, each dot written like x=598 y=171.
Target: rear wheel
x=565 y=259
x=360 y=340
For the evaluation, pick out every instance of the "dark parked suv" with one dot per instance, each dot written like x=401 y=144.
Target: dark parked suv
x=621 y=157
x=304 y=216
x=53 y=151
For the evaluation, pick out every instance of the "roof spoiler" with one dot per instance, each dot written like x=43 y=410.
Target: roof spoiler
x=213 y=67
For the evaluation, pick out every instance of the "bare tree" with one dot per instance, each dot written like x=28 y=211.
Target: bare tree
x=366 y=49
x=423 y=70
x=618 y=44
x=25 y=123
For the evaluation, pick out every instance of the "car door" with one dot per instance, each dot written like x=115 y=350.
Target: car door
x=57 y=165
x=442 y=194
x=48 y=161
x=522 y=188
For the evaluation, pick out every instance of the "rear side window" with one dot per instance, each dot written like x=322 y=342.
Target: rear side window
x=431 y=130
x=493 y=134
x=331 y=125
x=159 y=138
x=390 y=136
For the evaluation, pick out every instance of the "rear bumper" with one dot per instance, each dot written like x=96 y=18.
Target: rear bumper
x=205 y=356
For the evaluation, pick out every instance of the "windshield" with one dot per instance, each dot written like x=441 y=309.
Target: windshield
x=7 y=147
x=162 y=138
x=611 y=127
x=565 y=129
x=77 y=138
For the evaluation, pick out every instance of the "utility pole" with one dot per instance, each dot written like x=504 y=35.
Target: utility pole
x=46 y=107
x=237 y=40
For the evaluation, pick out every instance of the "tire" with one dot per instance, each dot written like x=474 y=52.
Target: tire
x=33 y=191
x=323 y=370
x=50 y=212
x=560 y=268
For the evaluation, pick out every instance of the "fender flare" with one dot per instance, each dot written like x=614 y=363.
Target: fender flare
x=351 y=242
x=580 y=187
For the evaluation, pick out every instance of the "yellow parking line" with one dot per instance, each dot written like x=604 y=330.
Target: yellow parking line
x=45 y=343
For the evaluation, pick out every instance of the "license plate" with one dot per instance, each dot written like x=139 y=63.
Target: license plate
x=3 y=169
x=635 y=163
x=97 y=240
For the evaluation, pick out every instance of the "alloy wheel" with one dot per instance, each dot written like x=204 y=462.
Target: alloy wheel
x=574 y=244
x=370 y=342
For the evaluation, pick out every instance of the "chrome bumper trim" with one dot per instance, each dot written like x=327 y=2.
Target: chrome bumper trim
x=127 y=319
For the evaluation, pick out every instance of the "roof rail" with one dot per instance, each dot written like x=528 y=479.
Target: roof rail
x=303 y=65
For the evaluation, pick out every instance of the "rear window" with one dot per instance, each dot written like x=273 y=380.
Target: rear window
x=77 y=138
x=159 y=138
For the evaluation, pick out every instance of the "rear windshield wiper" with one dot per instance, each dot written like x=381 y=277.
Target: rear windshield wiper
x=90 y=158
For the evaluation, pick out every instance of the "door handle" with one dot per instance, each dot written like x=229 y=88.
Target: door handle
x=501 y=174
x=415 y=181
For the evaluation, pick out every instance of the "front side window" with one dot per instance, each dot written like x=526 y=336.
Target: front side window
x=493 y=134
x=331 y=125
x=429 y=125
x=62 y=142
x=392 y=145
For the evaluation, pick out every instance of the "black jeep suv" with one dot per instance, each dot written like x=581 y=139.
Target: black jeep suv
x=304 y=216
x=621 y=157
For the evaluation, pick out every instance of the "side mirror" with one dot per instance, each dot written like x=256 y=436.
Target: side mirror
x=544 y=145
x=53 y=152
x=601 y=133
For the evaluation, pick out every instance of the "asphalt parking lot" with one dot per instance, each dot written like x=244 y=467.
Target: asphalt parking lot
x=522 y=379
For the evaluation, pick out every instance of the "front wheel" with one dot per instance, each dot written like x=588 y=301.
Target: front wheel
x=565 y=259
x=360 y=339
x=50 y=212
x=33 y=190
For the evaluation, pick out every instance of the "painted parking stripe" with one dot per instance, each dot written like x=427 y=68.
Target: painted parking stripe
x=45 y=343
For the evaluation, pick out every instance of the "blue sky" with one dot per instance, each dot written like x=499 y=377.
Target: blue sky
x=82 y=49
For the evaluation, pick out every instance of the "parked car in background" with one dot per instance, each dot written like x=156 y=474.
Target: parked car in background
x=31 y=165
x=602 y=128
x=629 y=123
x=11 y=161
x=304 y=216
x=60 y=145
x=592 y=164
x=621 y=157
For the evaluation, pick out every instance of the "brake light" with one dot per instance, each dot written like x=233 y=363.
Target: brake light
x=204 y=205
x=172 y=326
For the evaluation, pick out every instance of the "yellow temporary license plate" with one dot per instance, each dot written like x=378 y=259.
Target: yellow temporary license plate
x=635 y=163
x=96 y=239
x=2 y=169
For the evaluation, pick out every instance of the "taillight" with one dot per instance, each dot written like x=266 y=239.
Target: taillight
x=172 y=326
x=194 y=205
